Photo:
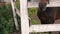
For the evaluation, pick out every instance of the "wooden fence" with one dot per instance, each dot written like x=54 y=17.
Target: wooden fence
x=25 y=29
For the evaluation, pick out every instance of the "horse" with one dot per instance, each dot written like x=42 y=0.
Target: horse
x=47 y=15
x=43 y=13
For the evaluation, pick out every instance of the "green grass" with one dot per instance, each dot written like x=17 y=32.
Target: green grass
x=32 y=12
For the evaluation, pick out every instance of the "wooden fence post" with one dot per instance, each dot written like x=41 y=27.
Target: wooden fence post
x=24 y=17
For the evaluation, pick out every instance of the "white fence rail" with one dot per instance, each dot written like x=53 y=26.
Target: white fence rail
x=52 y=3
x=45 y=28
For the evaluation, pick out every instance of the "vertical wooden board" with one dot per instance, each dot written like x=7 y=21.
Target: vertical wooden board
x=24 y=17
x=14 y=15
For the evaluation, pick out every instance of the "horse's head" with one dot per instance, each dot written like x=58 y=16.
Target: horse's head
x=42 y=4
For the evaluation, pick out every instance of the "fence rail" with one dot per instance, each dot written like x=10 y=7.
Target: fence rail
x=51 y=4
x=45 y=28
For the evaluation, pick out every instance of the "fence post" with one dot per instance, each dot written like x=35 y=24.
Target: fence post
x=24 y=17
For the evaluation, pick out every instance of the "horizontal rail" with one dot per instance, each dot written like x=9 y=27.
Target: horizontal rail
x=45 y=28
x=52 y=4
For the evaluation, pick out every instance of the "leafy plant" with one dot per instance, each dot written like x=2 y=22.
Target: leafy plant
x=6 y=20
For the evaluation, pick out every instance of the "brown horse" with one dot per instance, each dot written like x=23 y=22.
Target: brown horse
x=44 y=12
x=47 y=15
